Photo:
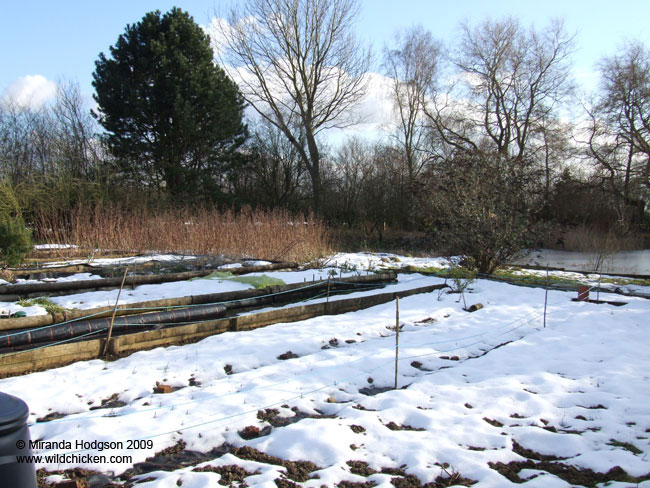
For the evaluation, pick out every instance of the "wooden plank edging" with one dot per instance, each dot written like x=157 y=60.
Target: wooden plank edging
x=63 y=354
x=127 y=308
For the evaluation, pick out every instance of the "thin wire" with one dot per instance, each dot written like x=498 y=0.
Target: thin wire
x=309 y=373
x=534 y=314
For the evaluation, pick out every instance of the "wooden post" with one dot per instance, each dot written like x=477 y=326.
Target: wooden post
x=328 y=290
x=110 y=328
x=396 y=338
x=545 y=296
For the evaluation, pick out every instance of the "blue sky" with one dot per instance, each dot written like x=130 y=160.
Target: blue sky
x=62 y=39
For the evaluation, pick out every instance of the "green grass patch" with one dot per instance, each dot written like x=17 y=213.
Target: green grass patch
x=425 y=269
x=626 y=281
x=49 y=306
x=261 y=281
x=522 y=276
x=518 y=275
x=625 y=445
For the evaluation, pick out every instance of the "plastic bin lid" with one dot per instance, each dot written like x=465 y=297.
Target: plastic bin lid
x=13 y=411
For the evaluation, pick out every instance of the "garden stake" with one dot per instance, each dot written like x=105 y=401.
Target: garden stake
x=328 y=290
x=110 y=329
x=545 y=296
x=396 y=337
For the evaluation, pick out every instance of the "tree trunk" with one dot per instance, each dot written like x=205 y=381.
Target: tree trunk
x=314 y=172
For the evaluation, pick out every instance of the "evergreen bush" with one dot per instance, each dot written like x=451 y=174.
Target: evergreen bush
x=15 y=241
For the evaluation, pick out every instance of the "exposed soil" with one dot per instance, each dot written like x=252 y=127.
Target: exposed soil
x=428 y=320
x=173 y=458
x=625 y=445
x=356 y=484
x=252 y=432
x=287 y=355
x=269 y=415
x=358 y=406
x=85 y=478
x=272 y=416
x=408 y=481
x=494 y=423
x=530 y=454
x=418 y=365
x=360 y=468
x=296 y=470
x=411 y=481
x=285 y=483
x=357 y=429
x=177 y=457
x=110 y=402
x=403 y=480
x=570 y=474
x=51 y=416
x=374 y=390
x=393 y=426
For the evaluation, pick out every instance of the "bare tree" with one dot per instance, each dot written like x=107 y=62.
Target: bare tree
x=26 y=141
x=413 y=66
x=277 y=170
x=554 y=148
x=300 y=67
x=56 y=139
x=354 y=168
x=509 y=81
x=619 y=139
x=78 y=149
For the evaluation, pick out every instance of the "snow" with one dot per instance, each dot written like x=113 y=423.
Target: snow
x=377 y=261
x=55 y=246
x=577 y=389
x=91 y=261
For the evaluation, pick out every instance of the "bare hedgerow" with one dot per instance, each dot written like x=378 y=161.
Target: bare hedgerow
x=275 y=235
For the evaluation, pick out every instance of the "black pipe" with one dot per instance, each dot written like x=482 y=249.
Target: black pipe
x=121 y=324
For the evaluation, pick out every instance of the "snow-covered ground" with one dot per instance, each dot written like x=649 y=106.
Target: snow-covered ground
x=493 y=386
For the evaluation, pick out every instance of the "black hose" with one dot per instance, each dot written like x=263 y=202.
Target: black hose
x=78 y=328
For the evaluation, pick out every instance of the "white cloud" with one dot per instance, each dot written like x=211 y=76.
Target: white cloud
x=216 y=31
x=374 y=111
x=30 y=91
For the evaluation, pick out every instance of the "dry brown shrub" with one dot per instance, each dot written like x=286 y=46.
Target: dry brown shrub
x=273 y=235
x=590 y=239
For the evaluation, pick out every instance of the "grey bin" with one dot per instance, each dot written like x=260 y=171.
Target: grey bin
x=14 y=433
